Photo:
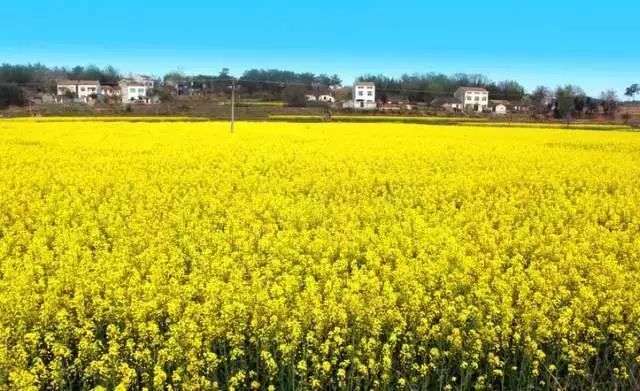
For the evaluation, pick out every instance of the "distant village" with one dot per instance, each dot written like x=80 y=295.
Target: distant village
x=139 y=89
x=135 y=89
x=40 y=88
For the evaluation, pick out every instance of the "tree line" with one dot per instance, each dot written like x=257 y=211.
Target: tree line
x=39 y=74
x=269 y=84
x=429 y=86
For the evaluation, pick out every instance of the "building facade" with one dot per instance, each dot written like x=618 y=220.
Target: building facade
x=364 y=96
x=80 y=89
x=133 y=92
x=473 y=98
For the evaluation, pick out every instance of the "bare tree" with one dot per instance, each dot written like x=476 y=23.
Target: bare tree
x=541 y=98
x=609 y=102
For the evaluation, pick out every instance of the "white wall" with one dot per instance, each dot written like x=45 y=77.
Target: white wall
x=132 y=93
x=500 y=109
x=63 y=88
x=82 y=90
x=364 y=97
x=362 y=105
x=326 y=98
x=472 y=98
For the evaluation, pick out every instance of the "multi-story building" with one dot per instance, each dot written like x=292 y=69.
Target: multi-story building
x=364 y=96
x=133 y=92
x=81 y=89
x=473 y=98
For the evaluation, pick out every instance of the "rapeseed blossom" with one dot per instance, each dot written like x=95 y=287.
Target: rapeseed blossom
x=178 y=256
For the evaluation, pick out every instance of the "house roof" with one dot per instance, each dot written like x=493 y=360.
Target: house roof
x=365 y=83
x=500 y=102
x=77 y=82
x=444 y=101
x=130 y=83
x=478 y=89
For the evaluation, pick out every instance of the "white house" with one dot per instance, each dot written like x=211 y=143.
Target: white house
x=326 y=98
x=500 y=107
x=473 y=98
x=82 y=89
x=133 y=92
x=364 y=96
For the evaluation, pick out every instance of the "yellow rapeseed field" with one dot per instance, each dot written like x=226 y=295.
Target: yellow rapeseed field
x=312 y=256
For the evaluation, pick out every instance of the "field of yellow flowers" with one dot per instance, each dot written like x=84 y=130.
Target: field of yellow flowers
x=317 y=256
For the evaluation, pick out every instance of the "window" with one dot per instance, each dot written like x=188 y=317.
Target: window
x=132 y=90
x=484 y=98
x=141 y=91
x=469 y=97
x=82 y=89
x=360 y=93
x=477 y=98
x=369 y=93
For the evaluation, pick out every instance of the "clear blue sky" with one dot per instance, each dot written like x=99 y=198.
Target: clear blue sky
x=592 y=44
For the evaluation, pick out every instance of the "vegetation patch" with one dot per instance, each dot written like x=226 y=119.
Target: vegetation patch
x=353 y=256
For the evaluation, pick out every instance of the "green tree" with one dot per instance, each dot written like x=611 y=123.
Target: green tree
x=426 y=87
x=507 y=90
x=335 y=81
x=294 y=96
x=93 y=72
x=632 y=90
x=568 y=101
x=11 y=95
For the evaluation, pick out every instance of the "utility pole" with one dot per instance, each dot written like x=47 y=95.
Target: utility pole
x=233 y=104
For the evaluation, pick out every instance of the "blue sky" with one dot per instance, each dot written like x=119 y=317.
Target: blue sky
x=544 y=42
